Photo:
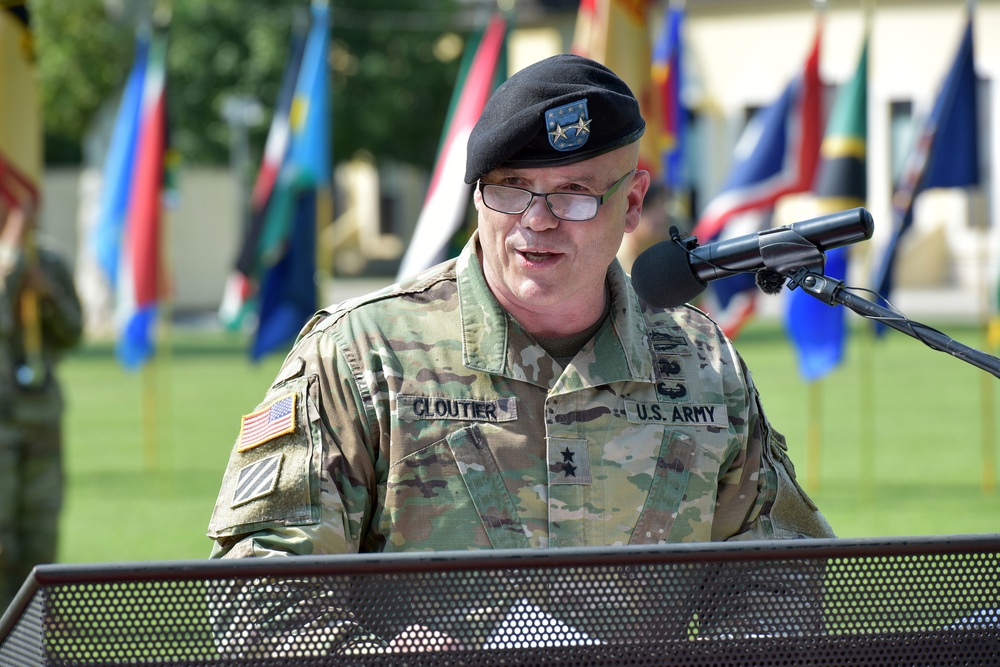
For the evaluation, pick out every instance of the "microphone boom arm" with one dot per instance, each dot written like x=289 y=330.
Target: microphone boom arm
x=831 y=291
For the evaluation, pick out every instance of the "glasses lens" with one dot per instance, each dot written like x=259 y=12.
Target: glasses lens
x=505 y=199
x=572 y=207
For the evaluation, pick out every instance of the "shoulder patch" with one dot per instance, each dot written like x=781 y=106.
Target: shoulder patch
x=257 y=479
x=275 y=419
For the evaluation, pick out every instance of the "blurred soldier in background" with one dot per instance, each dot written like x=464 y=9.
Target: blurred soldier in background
x=40 y=318
x=654 y=226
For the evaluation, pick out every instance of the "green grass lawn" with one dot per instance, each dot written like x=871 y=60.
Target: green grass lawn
x=897 y=446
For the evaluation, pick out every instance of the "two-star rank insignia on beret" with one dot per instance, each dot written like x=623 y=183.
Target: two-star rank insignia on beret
x=275 y=419
x=568 y=125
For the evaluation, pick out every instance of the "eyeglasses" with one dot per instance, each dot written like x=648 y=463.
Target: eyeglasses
x=571 y=206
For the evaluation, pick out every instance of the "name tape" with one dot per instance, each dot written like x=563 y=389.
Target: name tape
x=712 y=414
x=413 y=408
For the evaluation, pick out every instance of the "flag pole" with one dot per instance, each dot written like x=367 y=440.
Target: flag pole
x=989 y=480
x=151 y=372
x=867 y=414
x=149 y=415
x=814 y=434
x=987 y=415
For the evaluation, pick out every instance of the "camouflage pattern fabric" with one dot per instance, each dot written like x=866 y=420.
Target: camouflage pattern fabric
x=31 y=475
x=423 y=417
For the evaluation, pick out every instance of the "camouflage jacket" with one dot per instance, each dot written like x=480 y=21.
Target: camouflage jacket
x=423 y=417
x=8 y=259
x=61 y=322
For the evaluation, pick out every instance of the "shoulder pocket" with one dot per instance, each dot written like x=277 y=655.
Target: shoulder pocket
x=273 y=473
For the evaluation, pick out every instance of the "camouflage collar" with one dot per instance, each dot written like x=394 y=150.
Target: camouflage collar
x=492 y=342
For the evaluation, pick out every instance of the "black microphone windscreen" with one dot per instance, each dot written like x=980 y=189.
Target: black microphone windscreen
x=662 y=276
x=769 y=282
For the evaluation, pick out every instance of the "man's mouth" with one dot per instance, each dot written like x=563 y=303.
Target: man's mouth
x=533 y=256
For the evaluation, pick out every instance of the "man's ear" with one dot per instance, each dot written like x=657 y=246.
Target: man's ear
x=636 y=193
x=477 y=197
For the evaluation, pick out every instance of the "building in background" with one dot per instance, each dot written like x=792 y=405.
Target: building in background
x=738 y=56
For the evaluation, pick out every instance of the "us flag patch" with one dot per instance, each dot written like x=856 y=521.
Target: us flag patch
x=273 y=420
x=257 y=479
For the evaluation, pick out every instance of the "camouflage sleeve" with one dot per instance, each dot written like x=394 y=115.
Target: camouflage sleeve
x=8 y=257
x=59 y=305
x=759 y=498
x=300 y=480
x=10 y=263
x=309 y=487
x=759 y=495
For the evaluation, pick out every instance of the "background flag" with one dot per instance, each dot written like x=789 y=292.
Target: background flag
x=447 y=201
x=299 y=201
x=775 y=156
x=615 y=33
x=666 y=76
x=20 y=111
x=140 y=279
x=818 y=330
x=239 y=299
x=128 y=232
x=116 y=182
x=945 y=154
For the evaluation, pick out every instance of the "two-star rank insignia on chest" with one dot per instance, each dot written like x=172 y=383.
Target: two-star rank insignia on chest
x=569 y=461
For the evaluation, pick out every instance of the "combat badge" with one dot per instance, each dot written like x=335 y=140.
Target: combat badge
x=666 y=343
x=275 y=419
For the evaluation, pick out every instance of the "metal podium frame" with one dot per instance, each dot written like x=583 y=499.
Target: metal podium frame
x=878 y=601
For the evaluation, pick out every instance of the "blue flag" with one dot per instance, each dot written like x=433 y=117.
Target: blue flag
x=288 y=291
x=775 y=156
x=818 y=330
x=946 y=153
x=667 y=72
x=116 y=182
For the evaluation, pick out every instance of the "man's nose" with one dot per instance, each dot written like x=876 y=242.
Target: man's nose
x=538 y=216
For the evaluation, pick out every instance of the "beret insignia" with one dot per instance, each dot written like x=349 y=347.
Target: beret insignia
x=568 y=126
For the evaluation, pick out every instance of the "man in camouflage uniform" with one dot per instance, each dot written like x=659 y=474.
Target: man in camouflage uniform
x=31 y=404
x=521 y=395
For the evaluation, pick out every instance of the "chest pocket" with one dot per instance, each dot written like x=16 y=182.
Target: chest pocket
x=670 y=482
x=450 y=495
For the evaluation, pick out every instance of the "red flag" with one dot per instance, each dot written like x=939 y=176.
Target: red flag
x=140 y=276
x=776 y=155
x=448 y=195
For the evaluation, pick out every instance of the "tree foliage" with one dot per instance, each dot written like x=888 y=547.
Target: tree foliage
x=82 y=57
x=390 y=91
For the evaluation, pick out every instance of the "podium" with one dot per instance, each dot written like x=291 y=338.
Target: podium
x=887 y=601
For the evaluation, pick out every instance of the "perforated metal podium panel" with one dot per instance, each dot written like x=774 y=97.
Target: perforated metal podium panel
x=921 y=601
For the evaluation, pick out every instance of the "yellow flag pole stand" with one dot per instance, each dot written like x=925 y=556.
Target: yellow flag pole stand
x=989 y=481
x=814 y=435
x=149 y=416
x=867 y=412
x=988 y=418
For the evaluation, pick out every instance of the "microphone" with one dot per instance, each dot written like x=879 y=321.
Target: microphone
x=671 y=273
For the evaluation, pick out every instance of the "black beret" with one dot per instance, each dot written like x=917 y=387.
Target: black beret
x=560 y=110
